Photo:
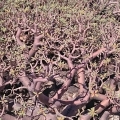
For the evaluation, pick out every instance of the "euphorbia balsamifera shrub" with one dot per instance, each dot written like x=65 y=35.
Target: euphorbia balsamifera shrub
x=57 y=57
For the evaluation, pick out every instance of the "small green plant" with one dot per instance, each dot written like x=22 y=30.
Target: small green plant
x=92 y=112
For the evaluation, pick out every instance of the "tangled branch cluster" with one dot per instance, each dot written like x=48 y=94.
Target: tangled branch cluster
x=57 y=57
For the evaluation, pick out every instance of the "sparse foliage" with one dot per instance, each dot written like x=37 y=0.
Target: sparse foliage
x=47 y=46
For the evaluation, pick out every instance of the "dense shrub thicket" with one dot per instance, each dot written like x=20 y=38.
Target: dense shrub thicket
x=59 y=59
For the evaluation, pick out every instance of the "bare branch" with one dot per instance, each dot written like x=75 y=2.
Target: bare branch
x=18 y=36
